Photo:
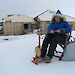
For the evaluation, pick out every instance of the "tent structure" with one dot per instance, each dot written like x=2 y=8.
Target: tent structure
x=69 y=52
x=18 y=24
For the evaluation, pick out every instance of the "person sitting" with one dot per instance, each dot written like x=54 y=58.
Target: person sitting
x=55 y=34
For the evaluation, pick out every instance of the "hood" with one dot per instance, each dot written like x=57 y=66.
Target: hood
x=59 y=14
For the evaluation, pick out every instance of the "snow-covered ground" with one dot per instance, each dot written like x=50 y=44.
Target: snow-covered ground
x=16 y=55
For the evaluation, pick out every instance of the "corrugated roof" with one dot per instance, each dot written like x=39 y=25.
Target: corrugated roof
x=19 y=18
x=47 y=15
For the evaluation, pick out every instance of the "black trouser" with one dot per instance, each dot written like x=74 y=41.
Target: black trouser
x=53 y=40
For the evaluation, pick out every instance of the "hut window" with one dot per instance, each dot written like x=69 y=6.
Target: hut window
x=25 y=26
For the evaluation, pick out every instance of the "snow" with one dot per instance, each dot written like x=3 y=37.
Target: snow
x=16 y=55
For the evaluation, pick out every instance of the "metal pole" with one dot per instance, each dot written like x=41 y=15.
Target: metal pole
x=39 y=41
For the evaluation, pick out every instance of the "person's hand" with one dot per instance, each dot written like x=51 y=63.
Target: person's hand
x=52 y=31
x=58 y=30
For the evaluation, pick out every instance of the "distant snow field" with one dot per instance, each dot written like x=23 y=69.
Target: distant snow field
x=16 y=54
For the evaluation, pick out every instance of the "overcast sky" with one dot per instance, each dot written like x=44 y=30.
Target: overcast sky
x=34 y=7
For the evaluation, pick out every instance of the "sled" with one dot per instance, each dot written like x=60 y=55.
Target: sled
x=37 y=60
x=62 y=44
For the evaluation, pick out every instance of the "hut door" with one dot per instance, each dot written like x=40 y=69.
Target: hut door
x=25 y=26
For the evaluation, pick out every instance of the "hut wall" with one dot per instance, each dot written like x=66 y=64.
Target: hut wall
x=44 y=25
x=12 y=28
x=73 y=25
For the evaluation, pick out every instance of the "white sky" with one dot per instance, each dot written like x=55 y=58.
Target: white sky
x=34 y=7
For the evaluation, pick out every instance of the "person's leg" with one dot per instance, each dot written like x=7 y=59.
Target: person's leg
x=55 y=40
x=52 y=47
x=45 y=44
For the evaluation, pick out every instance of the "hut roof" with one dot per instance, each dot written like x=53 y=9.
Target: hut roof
x=19 y=18
x=47 y=15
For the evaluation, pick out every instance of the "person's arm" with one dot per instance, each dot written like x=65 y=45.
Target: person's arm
x=67 y=28
x=50 y=27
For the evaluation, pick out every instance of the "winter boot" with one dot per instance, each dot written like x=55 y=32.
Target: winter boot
x=47 y=58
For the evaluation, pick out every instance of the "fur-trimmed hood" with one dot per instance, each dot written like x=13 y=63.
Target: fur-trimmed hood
x=59 y=14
